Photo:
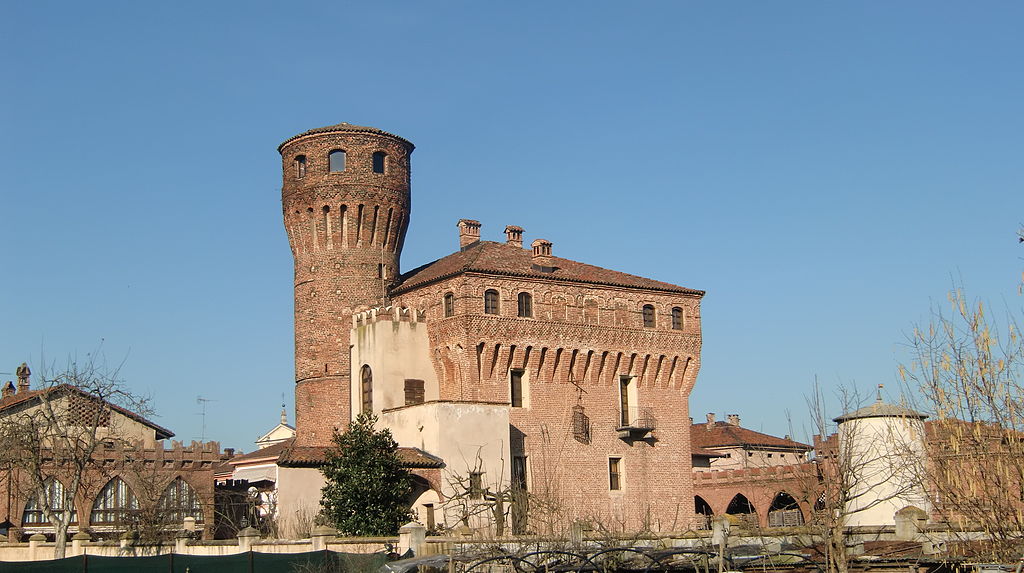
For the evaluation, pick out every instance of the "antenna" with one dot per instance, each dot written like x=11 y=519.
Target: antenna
x=202 y=402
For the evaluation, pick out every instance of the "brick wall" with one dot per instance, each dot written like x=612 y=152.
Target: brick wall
x=590 y=334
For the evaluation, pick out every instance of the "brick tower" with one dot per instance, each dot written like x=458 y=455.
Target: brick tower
x=346 y=209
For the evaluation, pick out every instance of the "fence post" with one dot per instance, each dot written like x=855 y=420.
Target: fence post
x=411 y=537
x=33 y=545
x=320 y=535
x=76 y=542
x=246 y=538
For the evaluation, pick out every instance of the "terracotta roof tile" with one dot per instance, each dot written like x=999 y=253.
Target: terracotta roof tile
x=489 y=257
x=25 y=397
x=313 y=456
x=723 y=434
x=271 y=452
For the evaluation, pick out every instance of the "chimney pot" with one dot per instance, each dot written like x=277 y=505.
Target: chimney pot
x=514 y=236
x=8 y=390
x=23 y=374
x=542 y=260
x=469 y=232
x=734 y=419
x=711 y=419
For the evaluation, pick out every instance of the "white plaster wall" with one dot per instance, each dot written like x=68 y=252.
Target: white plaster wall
x=884 y=459
x=468 y=437
x=298 y=499
x=394 y=350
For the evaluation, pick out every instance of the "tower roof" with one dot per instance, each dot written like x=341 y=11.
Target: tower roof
x=345 y=127
x=880 y=409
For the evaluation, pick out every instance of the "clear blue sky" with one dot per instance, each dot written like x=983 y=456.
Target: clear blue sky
x=822 y=170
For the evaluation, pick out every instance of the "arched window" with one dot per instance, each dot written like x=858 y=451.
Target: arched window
x=449 y=305
x=677 y=318
x=379 y=157
x=784 y=511
x=366 y=379
x=648 y=316
x=179 y=501
x=703 y=511
x=525 y=305
x=336 y=160
x=491 y=302
x=115 y=504
x=55 y=497
x=300 y=166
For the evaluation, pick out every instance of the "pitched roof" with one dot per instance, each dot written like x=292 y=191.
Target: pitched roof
x=344 y=127
x=489 y=257
x=315 y=456
x=30 y=395
x=269 y=453
x=724 y=434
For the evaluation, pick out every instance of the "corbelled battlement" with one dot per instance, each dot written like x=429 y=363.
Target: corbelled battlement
x=390 y=313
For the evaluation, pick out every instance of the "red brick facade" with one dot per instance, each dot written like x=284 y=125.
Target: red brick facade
x=585 y=325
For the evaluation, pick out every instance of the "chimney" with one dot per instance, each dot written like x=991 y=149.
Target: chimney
x=8 y=390
x=469 y=232
x=711 y=420
x=734 y=419
x=514 y=236
x=23 y=373
x=542 y=255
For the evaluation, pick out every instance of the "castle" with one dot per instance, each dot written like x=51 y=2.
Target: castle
x=497 y=368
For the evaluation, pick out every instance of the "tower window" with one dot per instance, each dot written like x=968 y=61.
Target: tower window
x=336 y=159
x=615 y=474
x=378 y=161
x=300 y=166
x=516 y=388
x=648 y=316
x=449 y=305
x=491 y=302
x=627 y=400
x=525 y=305
x=677 y=318
x=366 y=378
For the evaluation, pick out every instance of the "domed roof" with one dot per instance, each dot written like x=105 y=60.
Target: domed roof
x=880 y=410
x=345 y=127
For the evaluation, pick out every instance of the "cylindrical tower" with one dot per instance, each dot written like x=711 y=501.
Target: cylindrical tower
x=346 y=209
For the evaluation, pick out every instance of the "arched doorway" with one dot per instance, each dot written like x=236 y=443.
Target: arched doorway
x=703 y=512
x=742 y=510
x=784 y=511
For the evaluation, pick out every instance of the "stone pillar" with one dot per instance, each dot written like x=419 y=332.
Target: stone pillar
x=412 y=537
x=77 y=541
x=320 y=535
x=246 y=538
x=33 y=546
x=126 y=539
x=181 y=541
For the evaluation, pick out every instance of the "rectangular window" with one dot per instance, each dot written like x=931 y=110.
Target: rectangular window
x=615 y=474
x=476 y=485
x=516 y=390
x=519 y=473
x=414 y=391
x=625 y=389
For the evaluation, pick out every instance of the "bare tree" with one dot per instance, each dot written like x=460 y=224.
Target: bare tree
x=967 y=368
x=50 y=437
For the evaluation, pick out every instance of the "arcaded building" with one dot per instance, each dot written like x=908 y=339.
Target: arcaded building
x=521 y=371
